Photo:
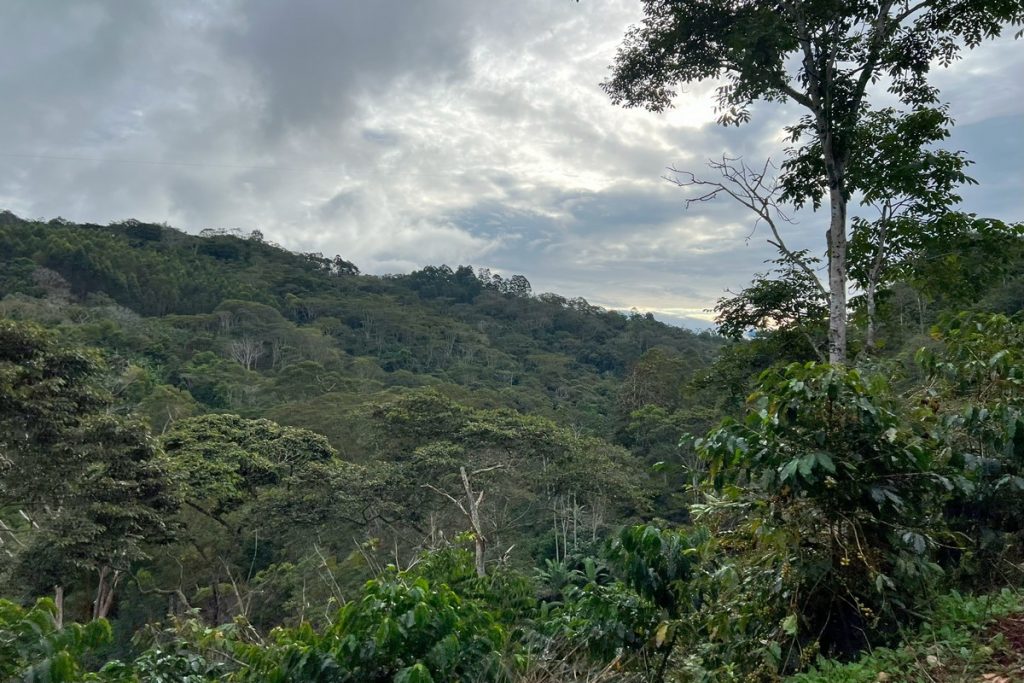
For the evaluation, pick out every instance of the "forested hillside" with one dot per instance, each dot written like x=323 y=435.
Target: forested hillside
x=374 y=393
x=224 y=461
x=220 y=322
x=214 y=429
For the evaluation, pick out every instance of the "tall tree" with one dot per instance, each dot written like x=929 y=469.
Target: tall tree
x=46 y=389
x=90 y=485
x=225 y=460
x=912 y=187
x=122 y=501
x=822 y=55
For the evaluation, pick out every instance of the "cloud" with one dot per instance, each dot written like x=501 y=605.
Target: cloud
x=402 y=134
x=316 y=61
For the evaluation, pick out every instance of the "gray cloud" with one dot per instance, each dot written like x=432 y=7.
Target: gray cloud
x=315 y=61
x=400 y=134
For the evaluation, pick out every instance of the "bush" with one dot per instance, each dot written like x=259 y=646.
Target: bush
x=33 y=647
x=402 y=630
x=830 y=499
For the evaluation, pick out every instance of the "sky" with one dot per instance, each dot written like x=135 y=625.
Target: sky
x=402 y=133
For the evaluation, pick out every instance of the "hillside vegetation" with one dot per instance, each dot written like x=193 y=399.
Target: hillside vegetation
x=223 y=461
x=247 y=326
x=209 y=430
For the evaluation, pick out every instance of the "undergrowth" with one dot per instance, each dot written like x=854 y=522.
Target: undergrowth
x=965 y=638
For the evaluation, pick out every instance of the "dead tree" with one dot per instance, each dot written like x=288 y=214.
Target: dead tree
x=471 y=510
x=246 y=351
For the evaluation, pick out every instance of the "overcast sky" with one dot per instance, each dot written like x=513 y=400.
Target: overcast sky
x=401 y=133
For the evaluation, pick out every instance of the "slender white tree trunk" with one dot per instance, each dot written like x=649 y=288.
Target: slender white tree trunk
x=473 y=509
x=58 y=599
x=837 y=277
x=869 y=341
x=105 y=588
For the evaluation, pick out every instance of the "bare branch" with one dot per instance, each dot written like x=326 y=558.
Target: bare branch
x=755 y=189
x=488 y=469
x=446 y=495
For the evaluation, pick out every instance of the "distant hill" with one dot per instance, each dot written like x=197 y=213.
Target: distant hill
x=227 y=321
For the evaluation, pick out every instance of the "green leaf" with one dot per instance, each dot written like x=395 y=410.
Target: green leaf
x=789 y=470
x=807 y=464
x=825 y=460
x=417 y=673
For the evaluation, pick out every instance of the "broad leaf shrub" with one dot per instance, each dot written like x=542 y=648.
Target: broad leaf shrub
x=826 y=502
x=402 y=630
x=34 y=650
x=977 y=389
x=184 y=651
x=587 y=610
x=661 y=565
x=509 y=595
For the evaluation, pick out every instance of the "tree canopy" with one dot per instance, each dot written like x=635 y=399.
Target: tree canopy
x=823 y=56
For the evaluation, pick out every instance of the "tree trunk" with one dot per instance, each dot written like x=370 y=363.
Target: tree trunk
x=835 y=171
x=58 y=599
x=869 y=294
x=105 y=588
x=837 y=276
x=663 y=667
x=554 y=526
x=874 y=275
x=101 y=585
x=479 y=541
x=108 y=599
x=479 y=548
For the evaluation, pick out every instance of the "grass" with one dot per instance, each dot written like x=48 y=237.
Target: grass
x=965 y=638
